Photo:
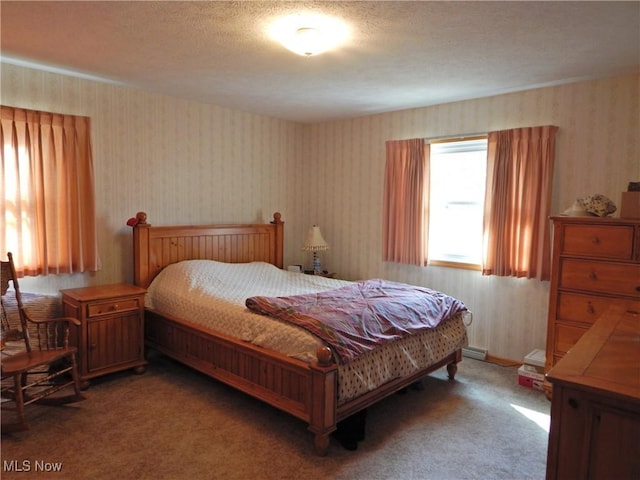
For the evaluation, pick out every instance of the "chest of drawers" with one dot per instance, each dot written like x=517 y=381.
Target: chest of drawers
x=596 y=265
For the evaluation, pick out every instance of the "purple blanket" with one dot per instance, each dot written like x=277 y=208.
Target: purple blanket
x=358 y=317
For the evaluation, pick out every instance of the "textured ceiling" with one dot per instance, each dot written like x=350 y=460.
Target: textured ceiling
x=399 y=55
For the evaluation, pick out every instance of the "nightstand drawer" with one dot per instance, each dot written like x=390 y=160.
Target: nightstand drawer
x=116 y=306
x=615 y=242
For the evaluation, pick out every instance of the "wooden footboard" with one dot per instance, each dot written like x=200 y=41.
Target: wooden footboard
x=306 y=391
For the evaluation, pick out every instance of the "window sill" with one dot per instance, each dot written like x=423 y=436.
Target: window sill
x=449 y=264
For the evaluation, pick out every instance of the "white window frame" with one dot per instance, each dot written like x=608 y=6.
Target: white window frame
x=450 y=194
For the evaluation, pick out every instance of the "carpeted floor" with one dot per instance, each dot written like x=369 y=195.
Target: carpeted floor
x=173 y=423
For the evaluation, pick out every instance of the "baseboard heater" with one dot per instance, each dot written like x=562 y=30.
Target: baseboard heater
x=474 y=352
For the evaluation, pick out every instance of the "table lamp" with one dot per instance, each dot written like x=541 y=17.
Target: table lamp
x=315 y=243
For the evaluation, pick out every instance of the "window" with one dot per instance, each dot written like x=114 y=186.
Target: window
x=47 y=205
x=456 y=201
x=505 y=232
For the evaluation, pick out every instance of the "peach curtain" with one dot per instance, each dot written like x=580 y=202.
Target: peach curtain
x=518 y=202
x=47 y=211
x=406 y=195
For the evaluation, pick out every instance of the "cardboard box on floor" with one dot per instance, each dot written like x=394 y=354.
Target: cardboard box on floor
x=529 y=377
x=531 y=373
x=536 y=359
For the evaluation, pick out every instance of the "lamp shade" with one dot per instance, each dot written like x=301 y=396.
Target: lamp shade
x=314 y=241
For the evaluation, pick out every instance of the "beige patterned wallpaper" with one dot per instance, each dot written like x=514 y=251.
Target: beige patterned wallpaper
x=190 y=163
x=598 y=151
x=181 y=162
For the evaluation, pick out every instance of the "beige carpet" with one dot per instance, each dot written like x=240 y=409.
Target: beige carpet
x=173 y=423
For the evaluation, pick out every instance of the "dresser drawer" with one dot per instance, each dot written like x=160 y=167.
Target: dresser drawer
x=573 y=307
x=615 y=242
x=600 y=277
x=566 y=337
x=114 y=306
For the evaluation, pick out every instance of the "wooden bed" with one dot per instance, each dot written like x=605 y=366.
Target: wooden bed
x=307 y=391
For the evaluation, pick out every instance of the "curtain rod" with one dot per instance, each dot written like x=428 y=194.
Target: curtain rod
x=461 y=136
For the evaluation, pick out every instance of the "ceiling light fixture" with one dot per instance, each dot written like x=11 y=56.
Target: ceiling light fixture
x=308 y=40
x=308 y=34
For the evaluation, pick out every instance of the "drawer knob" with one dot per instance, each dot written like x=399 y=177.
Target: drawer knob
x=114 y=307
x=590 y=309
x=593 y=276
x=595 y=241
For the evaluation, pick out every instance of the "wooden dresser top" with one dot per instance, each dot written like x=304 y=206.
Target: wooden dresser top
x=596 y=220
x=607 y=358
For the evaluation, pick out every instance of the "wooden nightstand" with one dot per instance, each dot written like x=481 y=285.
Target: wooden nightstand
x=111 y=337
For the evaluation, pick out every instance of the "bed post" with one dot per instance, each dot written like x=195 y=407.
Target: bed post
x=279 y=246
x=140 y=249
x=324 y=394
x=452 y=368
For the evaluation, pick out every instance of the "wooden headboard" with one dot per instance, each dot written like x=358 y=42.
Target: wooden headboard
x=156 y=247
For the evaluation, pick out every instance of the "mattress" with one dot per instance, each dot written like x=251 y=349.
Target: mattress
x=212 y=294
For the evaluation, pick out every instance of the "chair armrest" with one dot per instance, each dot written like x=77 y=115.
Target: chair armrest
x=43 y=321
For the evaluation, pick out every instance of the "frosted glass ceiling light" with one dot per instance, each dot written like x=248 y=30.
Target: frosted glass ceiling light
x=309 y=41
x=308 y=35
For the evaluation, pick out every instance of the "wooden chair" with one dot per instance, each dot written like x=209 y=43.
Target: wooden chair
x=36 y=360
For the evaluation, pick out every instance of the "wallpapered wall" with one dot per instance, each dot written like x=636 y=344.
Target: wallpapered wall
x=190 y=163
x=598 y=151
x=181 y=162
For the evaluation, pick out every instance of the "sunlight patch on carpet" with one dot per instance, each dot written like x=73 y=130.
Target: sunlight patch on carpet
x=541 y=419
